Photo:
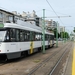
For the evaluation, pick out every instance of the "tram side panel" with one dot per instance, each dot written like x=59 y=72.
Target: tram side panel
x=47 y=44
x=37 y=45
x=8 y=50
x=11 y=50
x=14 y=49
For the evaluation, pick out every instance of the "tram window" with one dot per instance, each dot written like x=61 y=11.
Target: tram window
x=33 y=36
x=38 y=36
x=45 y=36
x=30 y=36
x=21 y=35
x=7 y=39
x=17 y=35
x=27 y=36
x=48 y=37
x=12 y=35
x=41 y=36
x=51 y=37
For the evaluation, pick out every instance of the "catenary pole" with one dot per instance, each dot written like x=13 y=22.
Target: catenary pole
x=43 y=30
x=64 y=36
x=57 y=34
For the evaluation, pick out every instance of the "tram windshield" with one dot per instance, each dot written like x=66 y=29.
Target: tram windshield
x=2 y=35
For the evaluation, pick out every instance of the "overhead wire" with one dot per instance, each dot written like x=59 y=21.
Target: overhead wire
x=58 y=12
x=54 y=11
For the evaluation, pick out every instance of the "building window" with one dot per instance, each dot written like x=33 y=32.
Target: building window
x=10 y=18
x=1 y=15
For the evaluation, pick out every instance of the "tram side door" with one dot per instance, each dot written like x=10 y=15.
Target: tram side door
x=12 y=40
x=10 y=44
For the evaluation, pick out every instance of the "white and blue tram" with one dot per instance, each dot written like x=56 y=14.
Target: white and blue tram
x=18 y=38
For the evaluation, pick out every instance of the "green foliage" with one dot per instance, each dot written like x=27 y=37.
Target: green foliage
x=61 y=35
x=64 y=35
x=55 y=33
x=74 y=31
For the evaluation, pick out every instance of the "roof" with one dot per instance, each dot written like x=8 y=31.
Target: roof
x=6 y=11
x=10 y=13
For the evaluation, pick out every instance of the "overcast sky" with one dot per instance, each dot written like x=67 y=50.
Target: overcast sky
x=61 y=7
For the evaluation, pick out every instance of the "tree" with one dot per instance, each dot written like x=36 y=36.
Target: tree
x=74 y=31
x=55 y=33
x=64 y=35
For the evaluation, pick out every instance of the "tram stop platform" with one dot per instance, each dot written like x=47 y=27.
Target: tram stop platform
x=70 y=69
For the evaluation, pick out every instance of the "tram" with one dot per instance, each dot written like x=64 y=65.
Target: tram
x=22 y=38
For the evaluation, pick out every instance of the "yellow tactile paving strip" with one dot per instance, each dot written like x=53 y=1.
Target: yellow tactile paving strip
x=73 y=63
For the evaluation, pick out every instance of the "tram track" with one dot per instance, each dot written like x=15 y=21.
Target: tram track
x=34 y=71
x=56 y=68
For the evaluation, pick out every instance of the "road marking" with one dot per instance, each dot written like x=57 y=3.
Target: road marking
x=73 y=63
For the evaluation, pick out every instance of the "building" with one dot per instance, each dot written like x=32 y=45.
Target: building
x=32 y=18
x=6 y=16
x=50 y=25
x=62 y=28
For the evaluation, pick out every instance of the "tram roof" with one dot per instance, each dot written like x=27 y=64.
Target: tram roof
x=18 y=26
x=12 y=25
